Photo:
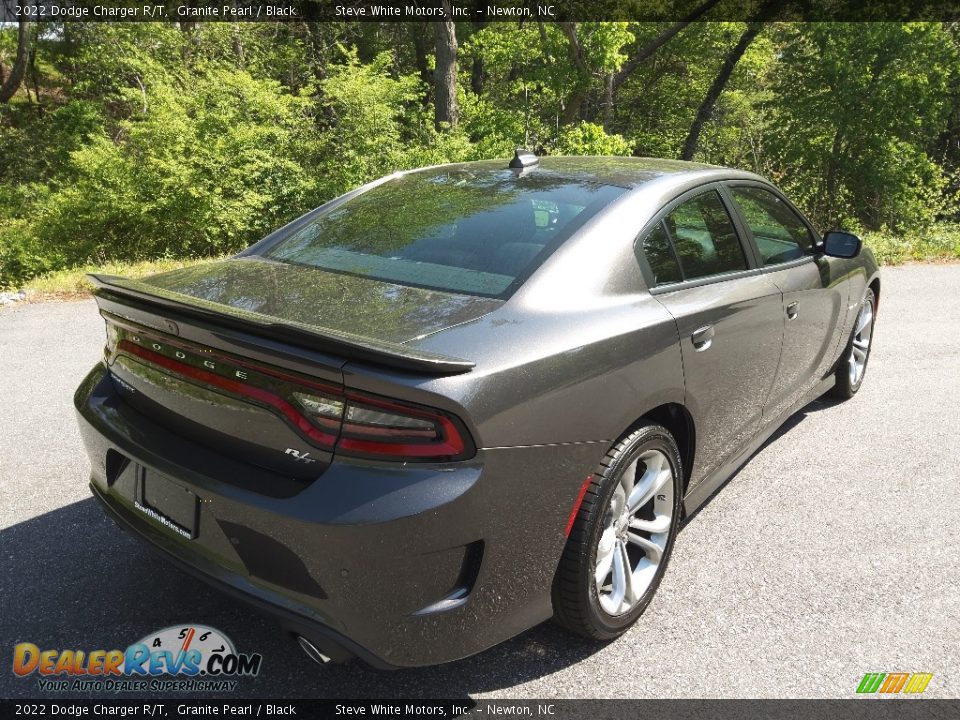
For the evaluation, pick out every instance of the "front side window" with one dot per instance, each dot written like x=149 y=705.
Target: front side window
x=704 y=238
x=779 y=232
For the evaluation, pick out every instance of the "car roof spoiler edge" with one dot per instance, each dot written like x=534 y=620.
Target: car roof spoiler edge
x=126 y=291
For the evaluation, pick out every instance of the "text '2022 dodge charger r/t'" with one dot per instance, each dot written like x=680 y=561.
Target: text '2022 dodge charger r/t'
x=461 y=400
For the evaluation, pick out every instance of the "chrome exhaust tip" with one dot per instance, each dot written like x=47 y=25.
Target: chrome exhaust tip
x=312 y=651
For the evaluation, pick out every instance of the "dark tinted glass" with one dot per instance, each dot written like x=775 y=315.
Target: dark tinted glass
x=779 y=232
x=660 y=257
x=462 y=231
x=704 y=237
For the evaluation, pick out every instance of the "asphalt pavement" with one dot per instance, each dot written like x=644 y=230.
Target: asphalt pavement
x=834 y=552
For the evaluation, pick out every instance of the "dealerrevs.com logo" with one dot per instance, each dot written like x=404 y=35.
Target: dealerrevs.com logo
x=185 y=658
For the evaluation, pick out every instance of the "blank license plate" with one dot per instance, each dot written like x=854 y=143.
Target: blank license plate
x=170 y=504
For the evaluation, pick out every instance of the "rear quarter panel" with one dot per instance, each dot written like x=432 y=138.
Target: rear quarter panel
x=563 y=377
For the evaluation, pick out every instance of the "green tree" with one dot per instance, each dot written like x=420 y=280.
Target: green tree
x=854 y=108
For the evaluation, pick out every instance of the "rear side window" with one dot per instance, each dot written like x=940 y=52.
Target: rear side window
x=778 y=231
x=704 y=238
x=455 y=230
x=659 y=256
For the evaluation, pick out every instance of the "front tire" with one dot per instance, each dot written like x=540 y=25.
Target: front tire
x=853 y=363
x=622 y=537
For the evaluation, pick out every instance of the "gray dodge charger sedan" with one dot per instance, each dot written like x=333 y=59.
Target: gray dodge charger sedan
x=461 y=400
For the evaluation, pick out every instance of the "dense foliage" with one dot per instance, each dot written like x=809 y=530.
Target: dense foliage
x=136 y=141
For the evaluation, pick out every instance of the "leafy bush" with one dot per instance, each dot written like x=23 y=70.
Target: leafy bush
x=373 y=123
x=21 y=256
x=938 y=242
x=590 y=139
x=206 y=170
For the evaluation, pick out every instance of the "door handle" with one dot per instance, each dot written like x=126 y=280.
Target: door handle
x=702 y=338
x=793 y=309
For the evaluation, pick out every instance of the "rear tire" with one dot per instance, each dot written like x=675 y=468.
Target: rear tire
x=852 y=368
x=622 y=537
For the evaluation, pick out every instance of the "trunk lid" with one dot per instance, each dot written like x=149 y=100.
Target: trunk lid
x=373 y=310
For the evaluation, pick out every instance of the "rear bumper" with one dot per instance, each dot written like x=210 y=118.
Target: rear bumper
x=399 y=565
x=335 y=646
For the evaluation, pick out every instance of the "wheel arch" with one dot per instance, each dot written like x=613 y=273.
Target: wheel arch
x=570 y=599
x=874 y=285
x=676 y=418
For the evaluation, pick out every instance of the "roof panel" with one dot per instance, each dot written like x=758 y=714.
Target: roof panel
x=628 y=172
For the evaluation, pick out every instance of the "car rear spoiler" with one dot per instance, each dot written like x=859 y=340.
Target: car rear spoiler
x=113 y=293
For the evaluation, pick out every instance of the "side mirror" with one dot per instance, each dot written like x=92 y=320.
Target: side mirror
x=840 y=244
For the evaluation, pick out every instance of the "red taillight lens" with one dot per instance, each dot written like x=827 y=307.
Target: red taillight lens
x=379 y=428
x=345 y=422
x=388 y=424
x=325 y=411
x=376 y=428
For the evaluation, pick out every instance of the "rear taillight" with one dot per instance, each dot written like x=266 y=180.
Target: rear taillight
x=378 y=428
x=345 y=422
x=325 y=411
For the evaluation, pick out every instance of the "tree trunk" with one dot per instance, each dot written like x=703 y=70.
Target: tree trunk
x=35 y=79
x=445 y=77
x=24 y=51
x=659 y=41
x=719 y=82
x=478 y=73
x=478 y=76
x=578 y=93
x=316 y=48
x=421 y=48
x=832 y=176
x=237 y=41
x=608 y=102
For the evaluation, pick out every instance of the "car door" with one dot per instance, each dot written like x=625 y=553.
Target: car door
x=813 y=286
x=729 y=318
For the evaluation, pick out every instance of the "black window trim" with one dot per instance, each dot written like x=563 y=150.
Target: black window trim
x=673 y=251
x=749 y=253
x=728 y=186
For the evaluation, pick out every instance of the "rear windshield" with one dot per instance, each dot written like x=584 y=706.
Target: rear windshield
x=476 y=233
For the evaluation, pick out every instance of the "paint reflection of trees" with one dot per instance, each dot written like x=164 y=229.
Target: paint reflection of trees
x=345 y=303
